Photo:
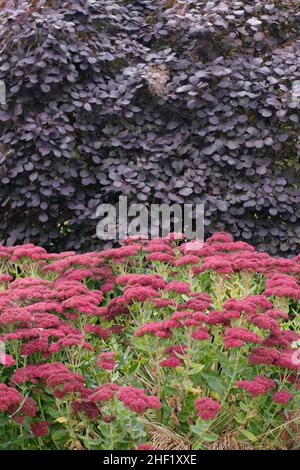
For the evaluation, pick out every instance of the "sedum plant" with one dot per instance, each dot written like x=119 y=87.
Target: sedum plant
x=197 y=340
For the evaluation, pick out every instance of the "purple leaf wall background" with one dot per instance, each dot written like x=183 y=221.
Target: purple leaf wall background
x=161 y=101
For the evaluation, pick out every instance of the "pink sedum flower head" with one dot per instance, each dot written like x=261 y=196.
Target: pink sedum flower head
x=40 y=428
x=104 y=392
x=187 y=260
x=207 y=408
x=180 y=287
x=106 y=360
x=139 y=293
x=192 y=246
x=145 y=447
x=137 y=400
x=220 y=237
x=282 y=397
x=237 y=336
x=283 y=285
x=260 y=385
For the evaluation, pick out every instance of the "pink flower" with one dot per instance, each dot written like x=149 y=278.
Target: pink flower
x=192 y=246
x=286 y=360
x=222 y=237
x=120 y=254
x=145 y=447
x=217 y=263
x=137 y=400
x=73 y=339
x=5 y=278
x=134 y=238
x=171 y=361
x=282 y=397
x=260 y=385
x=282 y=338
x=107 y=418
x=161 y=303
x=198 y=302
x=7 y=360
x=186 y=260
x=263 y=355
x=265 y=322
x=200 y=316
x=171 y=323
x=139 y=293
x=250 y=261
x=179 y=349
x=235 y=337
x=10 y=398
x=283 y=285
x=163 y=257
x=107 y=361
x=86 y=406
x=201 y=334
x=40 y=428
x=29 y=407
x=98 y=330
x=216 y=317
x=294 y=379
x=190 y=322
x=180 y=287
x=37 y=345
x=55 y=375
x=28 y=251
x=207 y=408
x=251 y=305
x=153 y=328
x=236 y=246
x=104 y=392
x=275 y=313
x=117 y=306
x=152 y=280
x=156 y=247
x=181 y=315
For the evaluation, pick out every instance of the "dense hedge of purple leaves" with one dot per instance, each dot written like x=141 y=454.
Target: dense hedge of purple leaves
x=163 y=101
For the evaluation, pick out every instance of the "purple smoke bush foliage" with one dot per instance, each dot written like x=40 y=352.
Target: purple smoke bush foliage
x=162 y=101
